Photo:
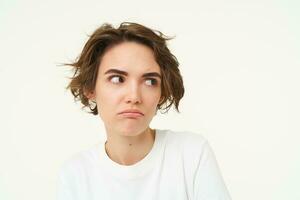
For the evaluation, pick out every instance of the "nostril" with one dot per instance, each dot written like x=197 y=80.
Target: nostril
x=133 y=99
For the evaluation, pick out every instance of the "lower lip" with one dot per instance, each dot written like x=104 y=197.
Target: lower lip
x=131 y=115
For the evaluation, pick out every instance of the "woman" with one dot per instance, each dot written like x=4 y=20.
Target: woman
x=125 y=75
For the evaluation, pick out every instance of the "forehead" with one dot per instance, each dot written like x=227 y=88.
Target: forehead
x=131 y=57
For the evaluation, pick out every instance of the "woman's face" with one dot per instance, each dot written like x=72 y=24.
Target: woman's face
x=128 y=78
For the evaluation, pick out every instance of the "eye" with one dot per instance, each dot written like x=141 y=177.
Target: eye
x=116 y=79
x=151 y=81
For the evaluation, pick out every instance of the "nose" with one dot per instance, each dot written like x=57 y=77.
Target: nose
x=133 y=94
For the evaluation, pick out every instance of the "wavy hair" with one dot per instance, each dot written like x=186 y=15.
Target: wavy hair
x=87 y=63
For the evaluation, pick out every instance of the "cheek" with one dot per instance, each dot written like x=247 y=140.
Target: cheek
x=106 y=108
x=153 y=100
x=107 y=101
x=106 y=94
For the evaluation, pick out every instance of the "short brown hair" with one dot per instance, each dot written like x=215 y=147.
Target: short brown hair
x=87 y=64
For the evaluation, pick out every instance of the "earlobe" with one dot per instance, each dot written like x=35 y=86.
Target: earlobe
x=89 y=95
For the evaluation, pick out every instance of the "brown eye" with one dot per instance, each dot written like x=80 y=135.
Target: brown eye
x=116 y=79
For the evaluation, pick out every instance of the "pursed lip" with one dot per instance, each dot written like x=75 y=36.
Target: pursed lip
x=131 y=111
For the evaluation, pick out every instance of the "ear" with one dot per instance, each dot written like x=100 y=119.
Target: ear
x=90 y=95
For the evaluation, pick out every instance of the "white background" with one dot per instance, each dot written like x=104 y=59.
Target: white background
x=241 y=67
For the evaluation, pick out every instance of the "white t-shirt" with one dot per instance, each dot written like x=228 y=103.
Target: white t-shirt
x=180 y=165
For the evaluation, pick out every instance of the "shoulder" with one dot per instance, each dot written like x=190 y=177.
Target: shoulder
x=186 y=139
x=192 y=147
x=77 y=163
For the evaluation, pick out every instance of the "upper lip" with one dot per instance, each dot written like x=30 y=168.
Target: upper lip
x=132 y=111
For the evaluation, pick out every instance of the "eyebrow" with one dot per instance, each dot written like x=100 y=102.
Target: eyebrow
x=116 y=71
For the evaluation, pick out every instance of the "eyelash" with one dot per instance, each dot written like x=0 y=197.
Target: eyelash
x=155 y=82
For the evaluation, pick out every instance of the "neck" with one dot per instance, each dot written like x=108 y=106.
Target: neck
x=129 y=150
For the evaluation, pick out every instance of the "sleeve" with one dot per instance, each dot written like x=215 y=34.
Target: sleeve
x=208 y=182
x=64 y=188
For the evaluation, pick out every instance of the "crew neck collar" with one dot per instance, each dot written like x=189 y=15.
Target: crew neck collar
x=135 y=170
